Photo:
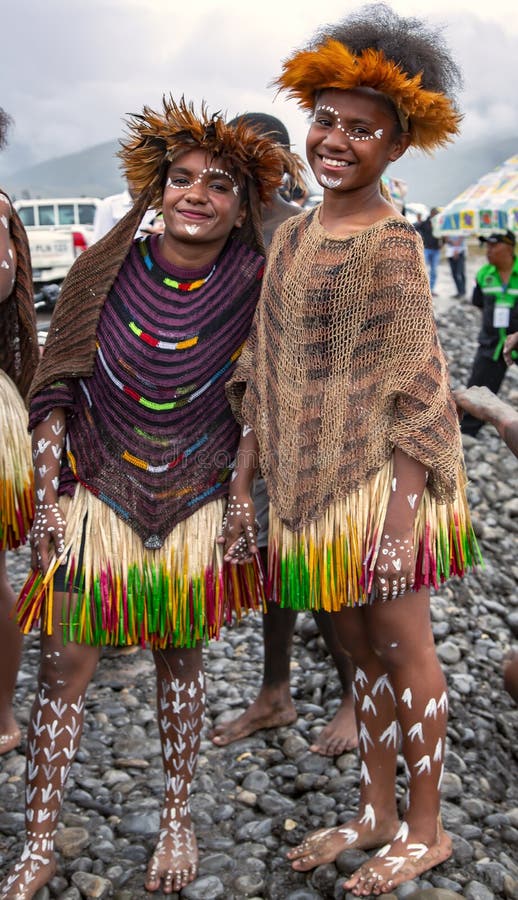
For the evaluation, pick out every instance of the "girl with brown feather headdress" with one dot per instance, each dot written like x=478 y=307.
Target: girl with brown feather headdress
x=356 y=432
x=134 y=444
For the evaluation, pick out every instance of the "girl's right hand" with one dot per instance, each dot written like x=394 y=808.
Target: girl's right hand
x=47 y=535
x=239 y=530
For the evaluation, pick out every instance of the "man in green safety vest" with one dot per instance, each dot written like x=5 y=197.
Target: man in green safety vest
x=496 y=294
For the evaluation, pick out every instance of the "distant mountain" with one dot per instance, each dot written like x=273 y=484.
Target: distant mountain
x=437 y=180
x=94 y=172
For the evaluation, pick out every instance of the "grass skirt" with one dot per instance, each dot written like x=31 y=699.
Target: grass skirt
x=330 y=563
x=118 y=592
x=16 y=478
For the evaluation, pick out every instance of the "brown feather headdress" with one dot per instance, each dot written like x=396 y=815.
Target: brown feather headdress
x=430 y=116
x=156 y=139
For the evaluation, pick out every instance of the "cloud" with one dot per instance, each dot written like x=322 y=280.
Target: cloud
x=77 y=69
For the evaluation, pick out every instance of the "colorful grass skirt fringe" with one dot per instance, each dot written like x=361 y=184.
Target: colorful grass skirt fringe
x=16 y=478
x=124 y=594
x=330 y=563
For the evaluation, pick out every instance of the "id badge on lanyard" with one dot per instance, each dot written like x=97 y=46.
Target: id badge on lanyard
x=501 y=316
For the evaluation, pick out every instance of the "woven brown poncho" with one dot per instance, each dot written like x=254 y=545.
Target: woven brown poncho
x=342 y=364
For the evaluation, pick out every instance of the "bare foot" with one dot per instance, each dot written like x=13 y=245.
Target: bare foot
x=397 y=862
x=34 y=869
x=340 y=734
x=174 y=863
x=323 y=846
x=267 y=711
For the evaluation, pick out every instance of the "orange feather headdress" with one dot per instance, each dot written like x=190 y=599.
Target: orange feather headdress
x=429 y=116
x=156 y=139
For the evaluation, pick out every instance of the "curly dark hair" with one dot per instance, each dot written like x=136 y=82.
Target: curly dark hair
x=5 y=122
x=416 y=45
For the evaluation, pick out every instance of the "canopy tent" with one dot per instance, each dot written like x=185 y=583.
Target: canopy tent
x=491 y=204
x=398 y=190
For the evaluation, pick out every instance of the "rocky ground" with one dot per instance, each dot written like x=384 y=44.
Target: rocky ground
x=255 y=799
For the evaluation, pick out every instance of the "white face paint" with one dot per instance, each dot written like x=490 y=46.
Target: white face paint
x=411 y=500
x=211 y=173
x=330 y=182
x=331 y=115
x=192 y=229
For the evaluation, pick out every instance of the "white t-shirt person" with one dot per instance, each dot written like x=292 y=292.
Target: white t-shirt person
x=112 y=209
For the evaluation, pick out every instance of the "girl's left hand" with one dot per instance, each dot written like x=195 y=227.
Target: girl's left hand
x=394 y=571
x=239 y=529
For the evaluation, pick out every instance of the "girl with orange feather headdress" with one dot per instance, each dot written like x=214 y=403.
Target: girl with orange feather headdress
x=133 y=445
x=355 y=428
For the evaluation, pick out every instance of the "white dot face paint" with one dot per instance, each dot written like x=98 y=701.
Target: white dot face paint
x=329 y=117
x=180 y=180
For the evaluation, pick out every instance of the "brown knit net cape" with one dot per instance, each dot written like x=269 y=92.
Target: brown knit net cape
x=343 y=364
x=18 y=360
x=19 y=340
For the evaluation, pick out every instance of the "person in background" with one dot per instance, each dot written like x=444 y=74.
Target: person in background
x=432 y=246
x=482 y=404
x=455 y=253
x=496 y=294
x=113 y=208
x=273 y=706
x=133 y=443
x=18 y=360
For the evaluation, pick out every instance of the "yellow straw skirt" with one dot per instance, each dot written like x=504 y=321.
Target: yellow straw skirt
x=16 y=479
x=330 y=563
x=119 y=592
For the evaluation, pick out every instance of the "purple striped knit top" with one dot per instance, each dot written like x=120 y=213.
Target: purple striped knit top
x=151 y=432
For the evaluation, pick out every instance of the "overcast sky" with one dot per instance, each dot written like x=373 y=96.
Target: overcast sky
x=71 y=71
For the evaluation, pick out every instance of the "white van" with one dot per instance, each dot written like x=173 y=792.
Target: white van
x=58 y=231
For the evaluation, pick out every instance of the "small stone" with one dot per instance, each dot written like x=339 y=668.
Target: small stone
x=246 y=797
x=205 y=888
x=451 y=786
x=257 y=782
x=462 y=850
x=474 y=890
x=448 y=653
x=248 y=885
x=92 y=885
x=71 y=841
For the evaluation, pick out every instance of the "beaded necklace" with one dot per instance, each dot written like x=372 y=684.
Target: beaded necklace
x=183 y=286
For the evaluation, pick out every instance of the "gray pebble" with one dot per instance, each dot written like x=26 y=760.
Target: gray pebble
x=474 y=890
x=206 y=888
